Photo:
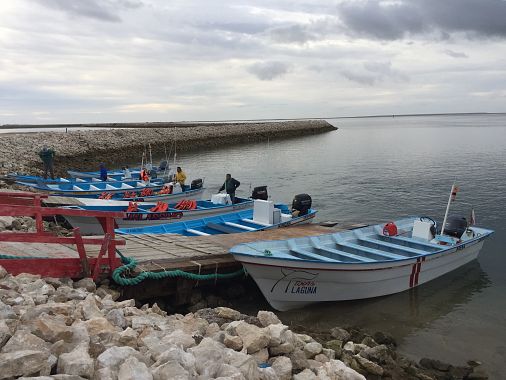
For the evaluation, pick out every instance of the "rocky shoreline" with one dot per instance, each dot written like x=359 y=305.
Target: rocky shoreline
x=59 y=329
x=84 y=149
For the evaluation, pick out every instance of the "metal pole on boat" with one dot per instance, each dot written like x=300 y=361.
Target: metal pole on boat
x=447 y=209
x=150 y=155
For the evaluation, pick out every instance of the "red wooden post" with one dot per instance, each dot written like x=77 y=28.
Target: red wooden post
x=38 y=216
x=103 y=249
x=82 y=252
x=109 y=222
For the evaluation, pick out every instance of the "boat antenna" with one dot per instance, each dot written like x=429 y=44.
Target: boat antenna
x=175 y=147
x=453 y=194
x=150 y=155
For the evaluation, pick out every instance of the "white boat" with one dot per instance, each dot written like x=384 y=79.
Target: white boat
x=356 y=264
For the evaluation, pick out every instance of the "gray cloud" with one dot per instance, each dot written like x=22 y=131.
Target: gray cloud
x=374 y=72
x=292 y=34
x=394 y=20
x=268 y=70
x=103 y=10
x=455 y=54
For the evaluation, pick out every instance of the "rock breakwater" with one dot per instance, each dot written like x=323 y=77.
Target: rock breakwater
x=84 y=149
x=60 y=329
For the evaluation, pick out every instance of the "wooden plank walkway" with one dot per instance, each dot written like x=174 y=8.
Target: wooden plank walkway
x=168 y=252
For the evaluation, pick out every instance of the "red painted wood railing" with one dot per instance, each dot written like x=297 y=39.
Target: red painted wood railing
x=29 y=204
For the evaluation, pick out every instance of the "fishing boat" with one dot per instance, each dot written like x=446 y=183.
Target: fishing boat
x=124 y=199
x=264 y=215
x=96 y=174
x=58 y=180
x=94 y=189
x=366 y=262
x=150 y=214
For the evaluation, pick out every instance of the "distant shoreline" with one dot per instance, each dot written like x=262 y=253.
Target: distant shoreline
x=189 y=124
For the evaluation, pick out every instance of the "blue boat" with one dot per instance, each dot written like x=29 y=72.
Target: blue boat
x=61 y=180
x=149 y=214
x=94 y=189
x=265 y=215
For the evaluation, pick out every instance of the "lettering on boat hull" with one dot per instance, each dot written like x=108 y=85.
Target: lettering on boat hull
x=297 y=281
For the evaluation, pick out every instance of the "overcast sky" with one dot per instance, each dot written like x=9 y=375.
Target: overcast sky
x=72 y=61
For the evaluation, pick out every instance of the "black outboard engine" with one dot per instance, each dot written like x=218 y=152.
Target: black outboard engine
x=260 y=192
x=455 y=226
x=163 y=165
x=196 y=184
x=301 y=203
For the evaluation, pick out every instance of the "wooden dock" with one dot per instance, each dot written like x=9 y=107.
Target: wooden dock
x=155 y=253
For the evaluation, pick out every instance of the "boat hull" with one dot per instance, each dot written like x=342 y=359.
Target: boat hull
x=293 y=285
x=191 y=194
x=93 y=226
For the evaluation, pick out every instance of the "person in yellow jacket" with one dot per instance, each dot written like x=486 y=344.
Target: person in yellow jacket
x=180 y=178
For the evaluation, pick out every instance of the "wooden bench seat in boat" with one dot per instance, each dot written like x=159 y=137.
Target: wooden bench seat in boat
x=402 y=248
x=370 y=251
x=222 y=228
x=405 y=240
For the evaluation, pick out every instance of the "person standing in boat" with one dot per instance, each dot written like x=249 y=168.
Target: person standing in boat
x=47 y=157
x=180 y=177
x=103 y=172
x=230 y=185
x=126 y=173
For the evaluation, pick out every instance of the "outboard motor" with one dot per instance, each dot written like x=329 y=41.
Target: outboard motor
x=163 y=165
x=260 y=192
x=301 y=203
x=196 y=184
x=455 y=226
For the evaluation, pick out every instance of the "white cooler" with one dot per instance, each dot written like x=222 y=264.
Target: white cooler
x=221 y=199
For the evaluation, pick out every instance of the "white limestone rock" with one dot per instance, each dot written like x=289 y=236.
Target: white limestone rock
x=336 y=369
x=276 y=332
x=52 y=329
x=245 y=363
x=283 y=367
x=90 y=308
x=340 y=334
x=77 y=362
x=99 y=325
x=6 y=311
x=207 y=352
x=133 y=369
x=369 y=366
x=227 y=313
x=312 y=349
x=354 y=348
x=254 y=338
x=307 y=374
x=86 y=283
x=170 y=370
x=117 y=318
x=114 y=356
x=282 y=349
x=22 y=363
x=267 y=318
x=178 y=355
x=24 y=340
x=5 y=333
x=261 y=356
x=233 y=342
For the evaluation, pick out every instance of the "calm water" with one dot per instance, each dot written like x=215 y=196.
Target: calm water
x=384 y=168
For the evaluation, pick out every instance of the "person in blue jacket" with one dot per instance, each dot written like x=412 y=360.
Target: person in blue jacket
x=103 y=172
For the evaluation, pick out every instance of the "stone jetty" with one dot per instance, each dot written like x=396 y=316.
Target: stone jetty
x=59 y=329
x=84 y=149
